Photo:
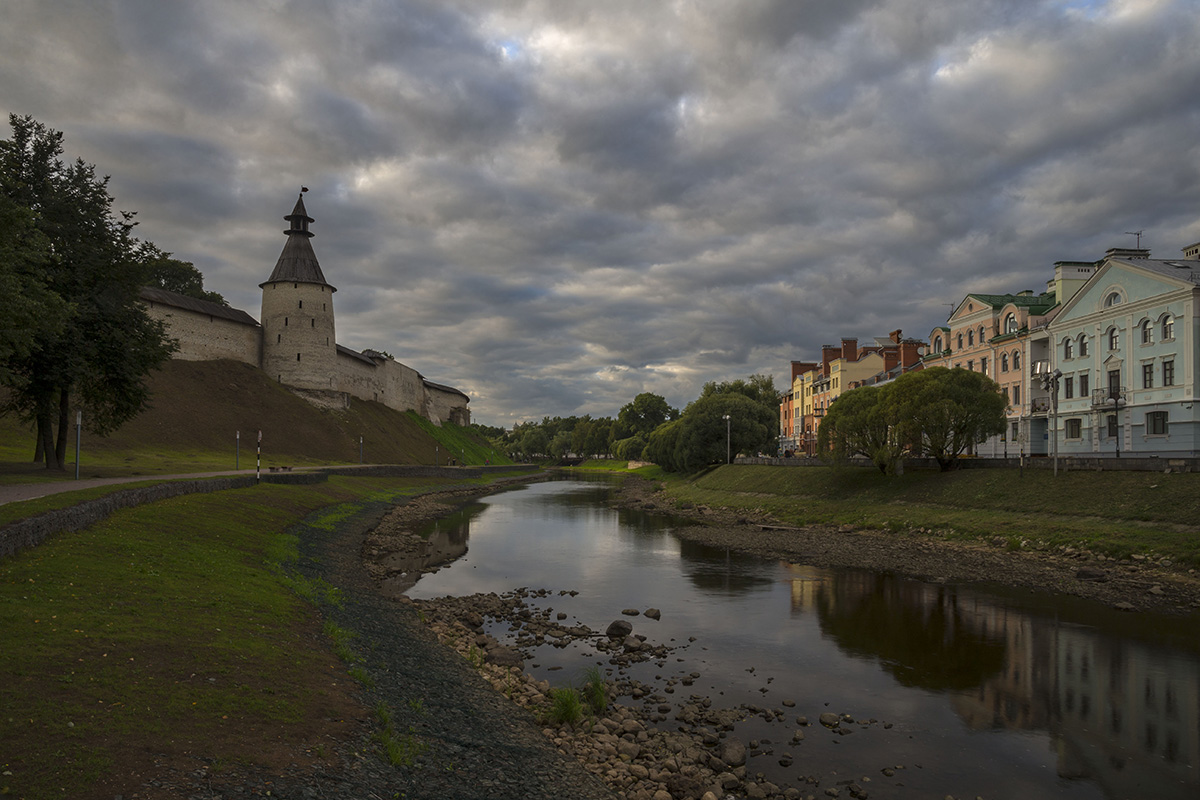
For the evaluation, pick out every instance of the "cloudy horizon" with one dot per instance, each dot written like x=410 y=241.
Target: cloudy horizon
x=556 y=205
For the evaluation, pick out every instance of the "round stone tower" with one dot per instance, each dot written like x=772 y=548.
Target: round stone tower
x=299 y=348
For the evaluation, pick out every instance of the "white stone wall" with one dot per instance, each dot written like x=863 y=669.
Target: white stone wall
x=203 y=337
x=299 y=342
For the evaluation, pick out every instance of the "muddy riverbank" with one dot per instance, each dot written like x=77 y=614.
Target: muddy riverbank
x=1136 y=584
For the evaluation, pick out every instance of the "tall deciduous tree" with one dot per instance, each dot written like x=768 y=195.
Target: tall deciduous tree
x=177 y=276
x=863 y=422
x=101 y=345
x=643 y=414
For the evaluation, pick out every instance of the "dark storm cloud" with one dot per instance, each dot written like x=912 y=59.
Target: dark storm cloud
x=557 y=205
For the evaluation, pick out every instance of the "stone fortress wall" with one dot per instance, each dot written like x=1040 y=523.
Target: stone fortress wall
x=295 y=342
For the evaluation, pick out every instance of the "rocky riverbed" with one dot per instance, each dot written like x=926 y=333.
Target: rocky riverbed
x=655 y=740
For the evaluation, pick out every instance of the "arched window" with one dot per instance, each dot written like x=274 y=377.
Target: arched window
x=1114 y=339
x=960 y=341
x=982 y=339
x=1016 y=359
x=1147 y=332
x=1068 y=349
x=1112 y=299
x=970 y=338
x=1083 y=345
x=1010 y=323
x=1168 y=327
x=1004 y=362
x=937 y=344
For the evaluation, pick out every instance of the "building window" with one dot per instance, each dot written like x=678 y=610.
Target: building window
x=285 y=322
x=971 y=365
x=278 y=338
x=1156 y=423
x=1004 y=362
x=1010 y=323
x=960 y=341
x=1083 y=345
x=981 y=335
x=1074 y=428
x=937 y=344
x=1068 y=387
x=1112 y=426
x=301 y=304
x=1016 y=431
x=1147 y=376
x=1068 y=349
x=1113 y=299
x=1147 y=332
x=1114 y=382
x=312 y=322
x=983 y=365
x=970 y=338
x=1016 y=359
x=1016 y=395
x=1114 y=339
x=1169 y=373
x=297 y=356
x=1083 y=384
x=1004 y=392
x=1168 y=328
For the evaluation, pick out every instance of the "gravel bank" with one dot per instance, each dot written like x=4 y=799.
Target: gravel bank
x=1130 y=584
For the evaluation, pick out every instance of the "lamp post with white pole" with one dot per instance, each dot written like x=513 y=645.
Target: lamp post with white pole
x=728 y=451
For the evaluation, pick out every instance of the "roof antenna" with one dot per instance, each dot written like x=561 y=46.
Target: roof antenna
x=1138 y=234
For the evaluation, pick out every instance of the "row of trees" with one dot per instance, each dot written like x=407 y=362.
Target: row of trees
x=74 y=335
x=648 y=428
x=937 y=412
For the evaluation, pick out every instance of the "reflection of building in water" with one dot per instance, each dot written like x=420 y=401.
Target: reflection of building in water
x=803 y=584
x=1127 y=716
x=1119 y=712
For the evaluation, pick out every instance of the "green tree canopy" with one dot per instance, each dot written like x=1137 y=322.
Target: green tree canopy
x=863 y=422
x=85 y=266
x=643 y=414
x=181 y=277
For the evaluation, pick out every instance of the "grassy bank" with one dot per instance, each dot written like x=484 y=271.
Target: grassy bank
x=1115 y=513
x=171 y=631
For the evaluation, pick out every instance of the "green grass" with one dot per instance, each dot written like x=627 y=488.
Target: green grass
x=566 y=706
x=399 y=749
x=605 y=464
x=595 y=690
x=460 y=444
x=172 y=625
x=1116 y=513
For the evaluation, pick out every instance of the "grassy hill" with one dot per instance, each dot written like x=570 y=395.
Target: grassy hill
x=200 y=406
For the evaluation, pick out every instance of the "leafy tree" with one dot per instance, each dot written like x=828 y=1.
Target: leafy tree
x=864 y=422
x=643 y=414
x=101 y=345
x=560 y=445
x=630 y=449
x=31 y=310
x=950 y=409
x=759 y=388
x=181 y=277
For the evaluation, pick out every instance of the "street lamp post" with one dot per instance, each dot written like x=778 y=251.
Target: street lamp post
x=728 y=452
x=1050 y=384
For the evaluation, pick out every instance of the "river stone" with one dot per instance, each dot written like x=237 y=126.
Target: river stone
x=829 y=719
x=1125 y=607
x=619 y=629
x=505 y=657
x=1091 y=574
x=732 y=751
x=632 y=644
x=653 y=613
x=630 y=612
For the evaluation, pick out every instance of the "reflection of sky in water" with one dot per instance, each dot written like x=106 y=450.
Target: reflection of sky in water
x=977 y=686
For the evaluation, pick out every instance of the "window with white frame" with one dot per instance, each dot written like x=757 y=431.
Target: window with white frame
x=1169 y=372
x=1016 y=359
x=937 y=344
x=1010 y=323
x=1148 y=376
x=1156 y=423
x=1068 y=349
x=1112 y=426
x=1168 y=328
x=982 y=338
x=1147 y=332
x=1004 y=362
x=1112 y=299
x=1114 y=339
x=1083 y=384
x=1068 y=387
x=1016 y=394
x=960 y=341
x=1073 y=428
x=1083 y=345
x=983 y=365
x=970 y=338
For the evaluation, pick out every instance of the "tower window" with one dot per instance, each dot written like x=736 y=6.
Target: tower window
x=285 y=322
x=278 y=338
x=314 y=322
x=301 y=304
x=297 y=356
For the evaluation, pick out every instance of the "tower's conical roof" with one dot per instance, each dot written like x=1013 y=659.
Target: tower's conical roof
x=298 y=263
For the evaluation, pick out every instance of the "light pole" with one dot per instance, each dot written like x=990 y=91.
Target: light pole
x=1050 y=383
x=727 y=440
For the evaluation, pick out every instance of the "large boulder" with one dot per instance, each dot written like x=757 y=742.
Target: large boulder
x=619 y=629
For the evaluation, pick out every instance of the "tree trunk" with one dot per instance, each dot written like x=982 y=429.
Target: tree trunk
x=39 y=452
x=46 y=437
x=64 y=425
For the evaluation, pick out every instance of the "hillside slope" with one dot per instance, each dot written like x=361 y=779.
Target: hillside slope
x=198 y=408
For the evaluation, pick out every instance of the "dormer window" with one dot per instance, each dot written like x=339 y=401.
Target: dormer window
x=1010 y=323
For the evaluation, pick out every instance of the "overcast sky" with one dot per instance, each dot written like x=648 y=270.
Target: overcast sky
x=556 y=205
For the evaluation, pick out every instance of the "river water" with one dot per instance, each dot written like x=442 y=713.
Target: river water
x=955 y=690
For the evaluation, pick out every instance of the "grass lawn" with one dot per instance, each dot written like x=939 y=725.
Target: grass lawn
x=1115 y=513
x=168 y=631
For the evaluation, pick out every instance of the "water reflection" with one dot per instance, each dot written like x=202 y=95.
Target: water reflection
x=445 y=540
x=997 y=693
x=1120 y=711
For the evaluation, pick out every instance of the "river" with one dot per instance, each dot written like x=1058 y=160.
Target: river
x=953 y=690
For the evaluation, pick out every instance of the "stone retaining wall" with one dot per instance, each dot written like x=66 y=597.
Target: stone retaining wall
x=1065 y=463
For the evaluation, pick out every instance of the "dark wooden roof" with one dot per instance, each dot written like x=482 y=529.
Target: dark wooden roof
x=298 y=263
x=163 y=297
x=443 y=387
